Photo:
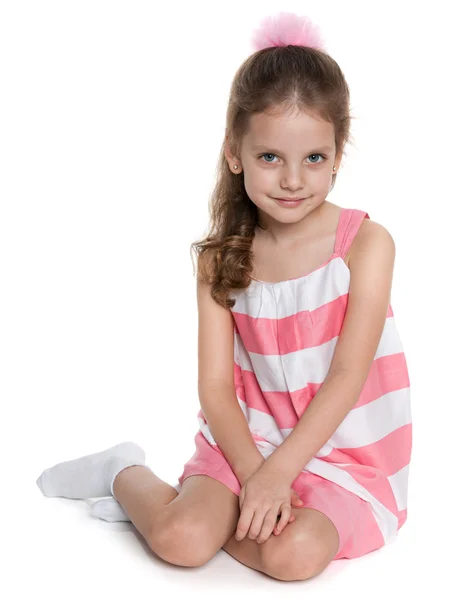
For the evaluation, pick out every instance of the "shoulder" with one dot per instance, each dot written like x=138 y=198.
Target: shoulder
x=372 y=239
x=371 y=272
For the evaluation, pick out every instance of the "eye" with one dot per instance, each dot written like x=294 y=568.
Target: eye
x=311 y=155
x=315 y=163
x=266 y=154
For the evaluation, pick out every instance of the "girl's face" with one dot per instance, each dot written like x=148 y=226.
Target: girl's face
x=287 y=157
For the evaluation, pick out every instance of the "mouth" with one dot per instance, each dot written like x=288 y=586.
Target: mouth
x=289 y=201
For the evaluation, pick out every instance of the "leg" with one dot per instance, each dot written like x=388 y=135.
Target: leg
x=143 y=496
x=185 y=529
x=247 y=551
x=189 y=528
x=301 y=551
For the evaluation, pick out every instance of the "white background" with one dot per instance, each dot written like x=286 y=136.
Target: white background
x=112 y=115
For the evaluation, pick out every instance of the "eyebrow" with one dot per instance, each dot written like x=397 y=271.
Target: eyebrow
x=267 y=147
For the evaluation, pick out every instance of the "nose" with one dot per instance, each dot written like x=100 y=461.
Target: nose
x=292 y=179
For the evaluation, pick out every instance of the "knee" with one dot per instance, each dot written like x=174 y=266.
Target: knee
x=295 y=560
x=180 y=541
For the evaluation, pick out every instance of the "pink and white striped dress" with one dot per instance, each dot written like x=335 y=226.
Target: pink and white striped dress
x=285 y=335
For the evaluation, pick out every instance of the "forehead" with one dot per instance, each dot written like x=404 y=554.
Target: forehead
x=285 y=130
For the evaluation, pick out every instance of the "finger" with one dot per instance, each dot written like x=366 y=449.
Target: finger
x=257 y=523
x=277 y=531
x=245 y=520
x=268 y=525
x=285 y=516
x=295 y=500
x=242 y=498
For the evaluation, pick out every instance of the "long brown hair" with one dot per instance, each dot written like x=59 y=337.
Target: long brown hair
x=292 y=78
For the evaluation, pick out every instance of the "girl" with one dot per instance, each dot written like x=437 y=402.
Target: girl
x=303 y=385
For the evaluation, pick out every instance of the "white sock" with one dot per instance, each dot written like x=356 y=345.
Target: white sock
x=112 y=511
x=109 y=510
x=90 y=476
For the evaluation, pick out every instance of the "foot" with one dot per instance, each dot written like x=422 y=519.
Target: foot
x=109 y=510
x=90 y=476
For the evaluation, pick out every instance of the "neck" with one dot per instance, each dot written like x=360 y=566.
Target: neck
x=285 y=234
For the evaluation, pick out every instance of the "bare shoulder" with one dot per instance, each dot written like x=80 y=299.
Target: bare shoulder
x=371 y=266
x=371 y=236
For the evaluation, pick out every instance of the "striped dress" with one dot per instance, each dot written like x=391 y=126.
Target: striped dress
x=285 y=334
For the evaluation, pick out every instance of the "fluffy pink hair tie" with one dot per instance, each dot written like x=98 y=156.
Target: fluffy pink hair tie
x=286 y=29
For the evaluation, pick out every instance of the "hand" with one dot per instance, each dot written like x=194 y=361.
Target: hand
x=263 y=496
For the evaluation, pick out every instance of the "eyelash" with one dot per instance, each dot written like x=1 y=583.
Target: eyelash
x=314 y=154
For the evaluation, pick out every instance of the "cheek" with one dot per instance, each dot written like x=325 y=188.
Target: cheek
x=259 y=181
x=318 y=183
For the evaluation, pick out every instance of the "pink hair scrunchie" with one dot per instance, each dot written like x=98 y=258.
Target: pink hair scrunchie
x=286 y=29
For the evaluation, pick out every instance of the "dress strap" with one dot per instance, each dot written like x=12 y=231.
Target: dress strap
x=349 y=223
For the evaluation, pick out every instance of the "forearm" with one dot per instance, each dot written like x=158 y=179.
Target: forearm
x=230 y=430
x=326 y=411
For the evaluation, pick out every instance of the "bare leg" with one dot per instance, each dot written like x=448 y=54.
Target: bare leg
x=143 y=496
x=246 y=551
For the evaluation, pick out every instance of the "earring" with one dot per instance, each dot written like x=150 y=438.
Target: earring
x=334 y=168
x=235 y=166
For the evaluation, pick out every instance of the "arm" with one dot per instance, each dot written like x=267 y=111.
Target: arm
x=230 y=429
x=371 y=267
x=216 y=388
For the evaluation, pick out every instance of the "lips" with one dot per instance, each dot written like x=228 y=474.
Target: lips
x=290 y=199
x=289 y=203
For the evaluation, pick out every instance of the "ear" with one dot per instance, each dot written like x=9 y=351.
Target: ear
x=232 y=159
x=337 y=160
